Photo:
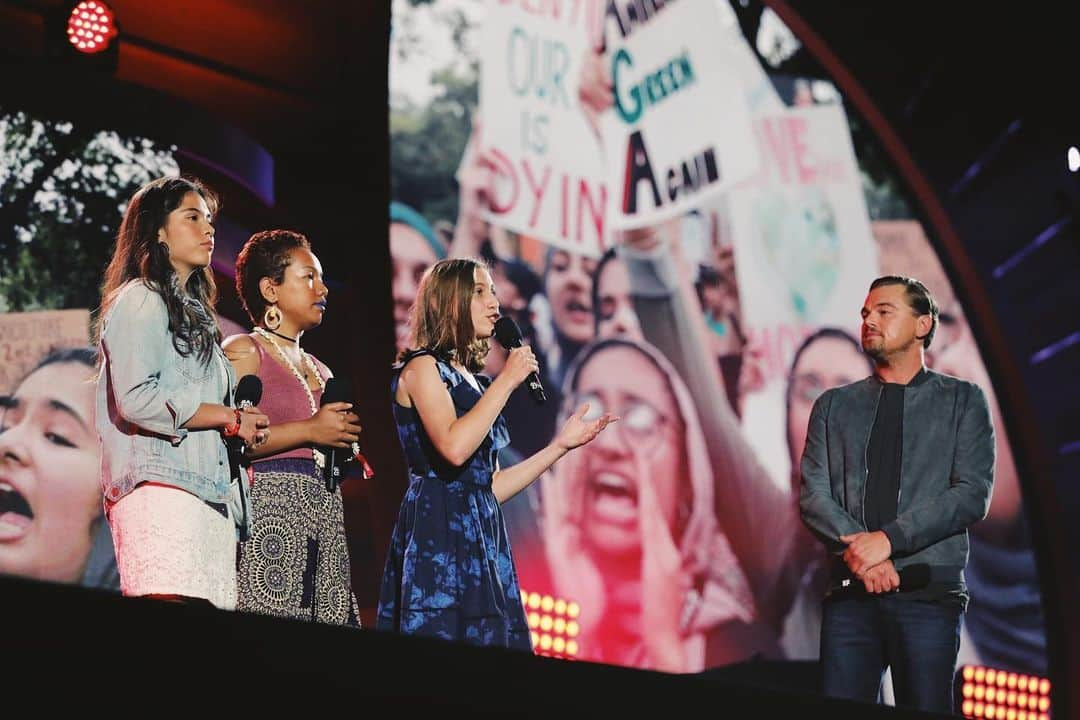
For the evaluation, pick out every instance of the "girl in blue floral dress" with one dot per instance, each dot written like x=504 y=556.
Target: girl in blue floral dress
x=449 y=571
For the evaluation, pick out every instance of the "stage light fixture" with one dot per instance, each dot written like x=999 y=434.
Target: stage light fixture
x=984 y=692
x=550 y=629
x=91 y=26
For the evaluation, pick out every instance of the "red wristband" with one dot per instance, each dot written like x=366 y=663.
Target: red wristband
x=234 y=429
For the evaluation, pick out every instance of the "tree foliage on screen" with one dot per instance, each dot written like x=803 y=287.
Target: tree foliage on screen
x=426 y=138
x=426 y=145
x=63 y=189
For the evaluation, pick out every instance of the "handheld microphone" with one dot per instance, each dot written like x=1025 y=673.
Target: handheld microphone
x=248 y=394
x=336 y=390
x=912 y=577
x=508 y=334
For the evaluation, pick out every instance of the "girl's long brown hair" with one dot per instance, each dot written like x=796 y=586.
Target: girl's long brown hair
x=139 y=256
x=442 y=314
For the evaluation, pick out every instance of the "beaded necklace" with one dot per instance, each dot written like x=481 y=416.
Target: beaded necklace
x=319 y=457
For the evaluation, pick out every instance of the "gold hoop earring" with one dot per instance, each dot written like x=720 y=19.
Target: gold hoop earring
x=272 y=318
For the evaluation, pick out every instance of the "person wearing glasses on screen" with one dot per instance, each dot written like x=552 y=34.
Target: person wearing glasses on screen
x=630 y=527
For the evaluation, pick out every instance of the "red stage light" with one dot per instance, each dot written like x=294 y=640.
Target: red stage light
x=91 y=26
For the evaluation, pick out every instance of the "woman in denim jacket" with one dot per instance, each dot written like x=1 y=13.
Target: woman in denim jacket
x=164 y=403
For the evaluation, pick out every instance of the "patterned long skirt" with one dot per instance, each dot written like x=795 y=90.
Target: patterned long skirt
x=296 y=562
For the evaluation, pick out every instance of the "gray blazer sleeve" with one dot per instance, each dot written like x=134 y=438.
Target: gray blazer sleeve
x=821 y=513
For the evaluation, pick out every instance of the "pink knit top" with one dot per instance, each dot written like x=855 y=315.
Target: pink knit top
x=284 y=399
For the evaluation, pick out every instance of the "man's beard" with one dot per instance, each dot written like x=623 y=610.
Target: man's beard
x=880 y=355
x=876 y=353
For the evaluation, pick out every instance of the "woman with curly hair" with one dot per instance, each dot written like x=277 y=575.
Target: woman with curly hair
x=297 y=562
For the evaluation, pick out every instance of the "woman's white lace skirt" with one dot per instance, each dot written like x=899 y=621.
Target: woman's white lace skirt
x=168 y=541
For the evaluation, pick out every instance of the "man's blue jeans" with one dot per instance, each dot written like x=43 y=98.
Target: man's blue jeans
x=863 y=634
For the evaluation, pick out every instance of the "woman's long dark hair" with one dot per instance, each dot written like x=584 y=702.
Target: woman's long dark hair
x=140 y=256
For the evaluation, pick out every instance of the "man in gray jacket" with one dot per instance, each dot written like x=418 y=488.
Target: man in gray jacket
x=896 y=468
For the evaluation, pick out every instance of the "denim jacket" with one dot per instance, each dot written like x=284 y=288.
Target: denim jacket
x=946 y=469
x=146 y=391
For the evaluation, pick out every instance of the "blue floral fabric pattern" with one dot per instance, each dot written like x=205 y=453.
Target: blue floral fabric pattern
x=449 y=570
